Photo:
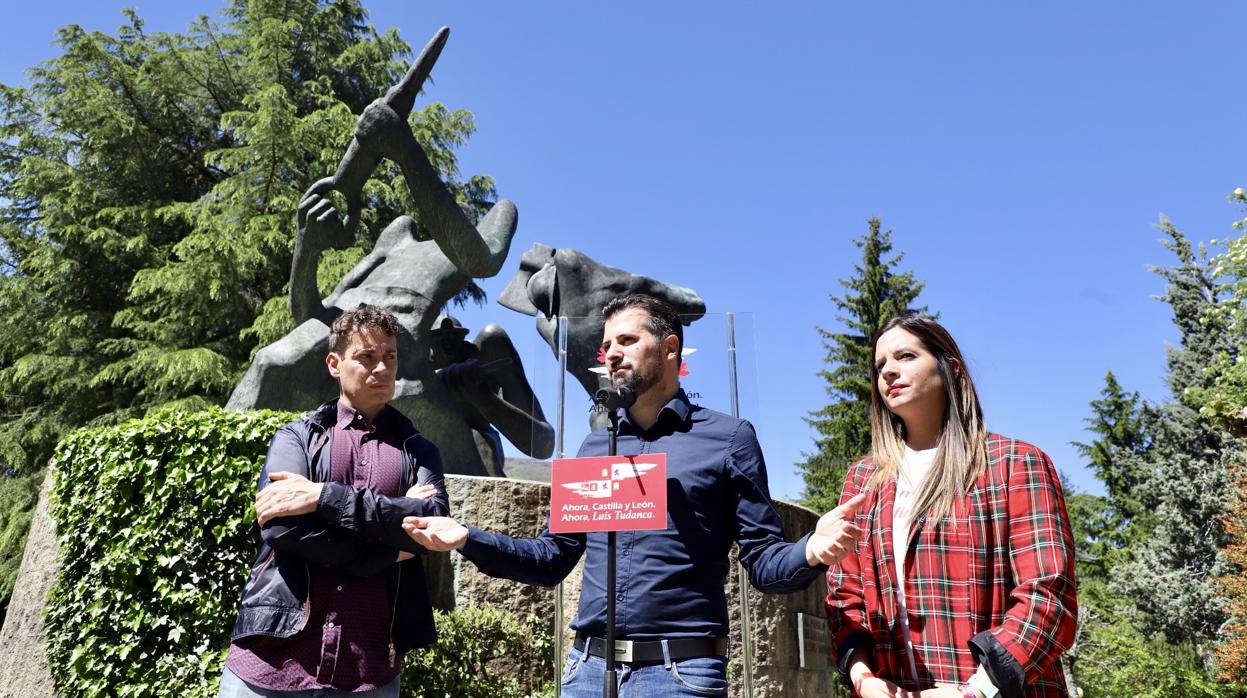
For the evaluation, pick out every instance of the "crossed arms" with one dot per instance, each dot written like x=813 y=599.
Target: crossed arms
x=349 y=530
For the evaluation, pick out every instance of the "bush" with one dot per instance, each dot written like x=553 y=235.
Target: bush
x=482 y=653
x=157 y=532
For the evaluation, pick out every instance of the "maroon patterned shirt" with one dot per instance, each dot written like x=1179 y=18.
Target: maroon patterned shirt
x=346 y=643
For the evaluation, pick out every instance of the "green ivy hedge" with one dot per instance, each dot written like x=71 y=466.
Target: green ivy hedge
x=157 y=532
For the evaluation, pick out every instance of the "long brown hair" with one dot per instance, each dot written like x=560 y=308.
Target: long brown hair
x=961 y=454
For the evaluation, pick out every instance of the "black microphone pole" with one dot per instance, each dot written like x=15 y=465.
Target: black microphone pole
x=611 y=400
x=610 y=683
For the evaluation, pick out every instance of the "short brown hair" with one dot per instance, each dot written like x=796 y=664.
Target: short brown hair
x=361 y=316
x=663 y=319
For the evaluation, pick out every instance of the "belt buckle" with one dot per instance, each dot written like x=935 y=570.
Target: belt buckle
x=623 y=650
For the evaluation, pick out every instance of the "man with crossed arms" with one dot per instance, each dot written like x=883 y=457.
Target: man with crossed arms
x=335 y=597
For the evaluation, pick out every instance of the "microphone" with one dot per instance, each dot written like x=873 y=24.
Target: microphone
x=612 y=399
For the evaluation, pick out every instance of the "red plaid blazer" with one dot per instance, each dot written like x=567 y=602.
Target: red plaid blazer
x=993 y=583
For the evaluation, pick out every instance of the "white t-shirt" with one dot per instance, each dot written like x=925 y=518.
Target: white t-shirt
x=913 y=469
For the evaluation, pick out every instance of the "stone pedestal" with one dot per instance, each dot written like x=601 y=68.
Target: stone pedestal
x=23 y=665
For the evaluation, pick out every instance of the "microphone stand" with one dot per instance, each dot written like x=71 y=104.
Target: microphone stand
x=610 y=682
x=611 y=400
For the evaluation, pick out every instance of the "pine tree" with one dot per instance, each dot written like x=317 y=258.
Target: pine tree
x=1183 y=476
x=876 y=293
x=1115 y=454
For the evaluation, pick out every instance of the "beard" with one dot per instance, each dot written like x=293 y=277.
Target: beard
x=639 y=381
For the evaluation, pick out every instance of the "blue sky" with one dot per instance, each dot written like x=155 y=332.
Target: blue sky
x=1021 y=154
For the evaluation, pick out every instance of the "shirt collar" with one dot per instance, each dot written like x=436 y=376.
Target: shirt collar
x=350 y=417
x=678 y=406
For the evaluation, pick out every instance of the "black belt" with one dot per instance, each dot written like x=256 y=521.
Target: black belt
x=651 y=650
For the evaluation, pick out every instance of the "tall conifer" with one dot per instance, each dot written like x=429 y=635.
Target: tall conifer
x=875 y=293
x=1118 y=423
x=1183 y=481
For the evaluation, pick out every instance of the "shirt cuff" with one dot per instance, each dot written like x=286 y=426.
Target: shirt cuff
x=857 y=640
x=798 y=550
x=332 y=496
x=477 y=547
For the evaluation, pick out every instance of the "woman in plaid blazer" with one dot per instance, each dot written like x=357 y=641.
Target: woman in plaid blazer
x=978 y=523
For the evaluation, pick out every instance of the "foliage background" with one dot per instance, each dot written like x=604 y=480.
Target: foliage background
x=73 y=278
x=877 y=291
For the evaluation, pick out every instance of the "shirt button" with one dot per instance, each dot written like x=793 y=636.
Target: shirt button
x=620 y=598
x=339 y=588
x=329 y=624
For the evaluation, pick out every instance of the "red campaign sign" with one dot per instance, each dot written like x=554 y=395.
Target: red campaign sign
x=608 y=493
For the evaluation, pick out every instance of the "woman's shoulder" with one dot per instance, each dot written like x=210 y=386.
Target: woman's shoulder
x=1009 y=456
x=1000 y=447
x=861 y=470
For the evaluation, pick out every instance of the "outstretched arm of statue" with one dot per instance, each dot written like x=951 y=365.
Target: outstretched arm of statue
x=495 y=385
x=476 y=251
x=519 y=416
x=319 y=229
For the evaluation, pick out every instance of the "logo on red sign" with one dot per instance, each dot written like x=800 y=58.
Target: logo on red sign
x=608 y=493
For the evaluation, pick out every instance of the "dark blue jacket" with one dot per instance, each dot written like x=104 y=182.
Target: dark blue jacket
x=353 y=531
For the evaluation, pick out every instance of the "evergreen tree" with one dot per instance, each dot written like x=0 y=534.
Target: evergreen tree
x=1115 y=455
x=1182 y=476
x=876 y=292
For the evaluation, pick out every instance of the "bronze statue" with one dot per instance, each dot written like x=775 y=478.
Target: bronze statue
x=411 y=278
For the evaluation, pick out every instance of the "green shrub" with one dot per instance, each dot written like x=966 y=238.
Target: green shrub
x=157 y=532
x=482 y=653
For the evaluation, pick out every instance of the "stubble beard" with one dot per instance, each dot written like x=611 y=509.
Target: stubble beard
x=637 y=381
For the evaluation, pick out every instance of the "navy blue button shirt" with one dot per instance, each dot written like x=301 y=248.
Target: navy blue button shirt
x=669 y=583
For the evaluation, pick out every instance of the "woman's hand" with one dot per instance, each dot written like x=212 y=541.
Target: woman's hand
x=945 y=690
x=875 y=687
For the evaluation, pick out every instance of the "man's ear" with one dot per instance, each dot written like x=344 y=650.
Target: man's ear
x=331 y=360
x=671 y=348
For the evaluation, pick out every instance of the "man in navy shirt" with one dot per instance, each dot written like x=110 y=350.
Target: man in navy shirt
x=671 y=608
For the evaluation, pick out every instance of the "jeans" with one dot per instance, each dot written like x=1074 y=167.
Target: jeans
x=234 y=687
x=701 y=676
